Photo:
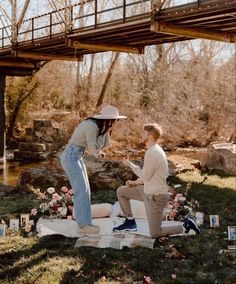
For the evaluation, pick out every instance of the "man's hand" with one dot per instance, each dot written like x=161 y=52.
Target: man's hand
x=126 y=161
x=102 y=154
x=131 y=183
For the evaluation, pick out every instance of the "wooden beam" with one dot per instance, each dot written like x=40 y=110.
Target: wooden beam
x=166 y=28
x=104 y=47
x=47 y=56
x=16 y=64
x=10 y=71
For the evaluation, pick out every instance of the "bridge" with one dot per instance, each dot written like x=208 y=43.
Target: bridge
x=126 y=26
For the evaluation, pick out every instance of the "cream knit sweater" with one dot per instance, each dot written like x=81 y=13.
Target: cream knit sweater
x=155 y=171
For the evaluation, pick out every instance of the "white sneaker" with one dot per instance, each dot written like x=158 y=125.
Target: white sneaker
x=88 y=230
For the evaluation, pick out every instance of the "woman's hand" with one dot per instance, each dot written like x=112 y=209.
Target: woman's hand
x=131 y=183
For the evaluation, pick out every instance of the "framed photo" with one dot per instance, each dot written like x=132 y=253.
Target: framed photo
x=214 y=221
x=200 y=218
x=2 y=230
x=232 y=233
x=24 y=219
x=14 y=224
x=232 y=250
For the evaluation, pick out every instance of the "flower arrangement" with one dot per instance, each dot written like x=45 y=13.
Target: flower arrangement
x=178 y=207
x=54 y=205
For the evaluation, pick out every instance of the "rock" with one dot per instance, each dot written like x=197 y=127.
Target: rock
x=179 y=164
x=28 y=131
x=34 y=147
x=220 y=156
x=40 y=141
x=106 y=174
x=102 y=173
x=41 y=178
x=33 y=156
x=42 y=123
x=6 y=190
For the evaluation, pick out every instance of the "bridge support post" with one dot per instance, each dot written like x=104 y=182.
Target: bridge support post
x=14 y=22
x=156 y=4
x=2 y=118
x=68 y=16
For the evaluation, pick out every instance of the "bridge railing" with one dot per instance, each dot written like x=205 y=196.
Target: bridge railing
x=89 y=15
x=79 y=17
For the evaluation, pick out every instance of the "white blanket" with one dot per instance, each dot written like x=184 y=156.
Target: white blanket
x=68 y=228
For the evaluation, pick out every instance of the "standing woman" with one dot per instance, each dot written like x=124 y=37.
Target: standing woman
x=94 y=133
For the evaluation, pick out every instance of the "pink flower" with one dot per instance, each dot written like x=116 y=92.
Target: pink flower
x=64 y=189
x=55 y=197
x=173 y=276
x=34 y=211
x=176 y=205
x=147 y=279
x=174 y=212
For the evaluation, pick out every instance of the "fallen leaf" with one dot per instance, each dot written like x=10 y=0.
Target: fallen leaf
x=174 y=253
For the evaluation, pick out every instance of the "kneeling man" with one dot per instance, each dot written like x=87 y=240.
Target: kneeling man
x=151 y=187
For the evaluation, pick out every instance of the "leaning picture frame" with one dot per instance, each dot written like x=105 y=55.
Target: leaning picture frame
x=2 y=230
x=214 y=221
x=232 y=233
x=199 y=218
x=24 y=219
x=14 y=224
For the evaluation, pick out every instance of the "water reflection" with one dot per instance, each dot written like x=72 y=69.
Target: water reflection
x=10 y=170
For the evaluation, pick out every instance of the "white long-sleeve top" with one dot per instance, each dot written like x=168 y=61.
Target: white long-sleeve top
x=154 y=172
x=86 y=135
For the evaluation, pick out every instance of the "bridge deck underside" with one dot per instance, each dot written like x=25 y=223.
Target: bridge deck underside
x=134 y=33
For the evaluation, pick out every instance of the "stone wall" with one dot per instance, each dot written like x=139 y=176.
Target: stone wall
x=40 y=141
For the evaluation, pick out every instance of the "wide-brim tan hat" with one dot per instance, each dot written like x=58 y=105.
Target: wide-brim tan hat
x=109 y=112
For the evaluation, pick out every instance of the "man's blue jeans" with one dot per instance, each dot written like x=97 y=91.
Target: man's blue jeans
x=73 y=164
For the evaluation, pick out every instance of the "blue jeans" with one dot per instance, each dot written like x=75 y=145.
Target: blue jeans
x=73 y=164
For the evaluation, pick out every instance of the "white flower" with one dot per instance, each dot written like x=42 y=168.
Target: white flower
x=51 y=203
x=50 y=190
x=182 y=199
x=62 y=210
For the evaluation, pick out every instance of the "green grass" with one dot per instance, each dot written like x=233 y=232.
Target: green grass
x=53 y=259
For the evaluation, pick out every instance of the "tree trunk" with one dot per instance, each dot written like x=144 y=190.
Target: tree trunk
x=105 y=85
x=2 y=116
x=15 y=113
x=90 y=76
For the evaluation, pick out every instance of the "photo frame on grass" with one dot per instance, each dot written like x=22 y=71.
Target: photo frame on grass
x=199 y=218
x=24 y=219
x=2 y=230
x=14 y=224
x=214 y=221
x=232 y=233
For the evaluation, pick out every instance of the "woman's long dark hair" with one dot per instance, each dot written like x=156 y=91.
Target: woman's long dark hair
x=103 y=124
